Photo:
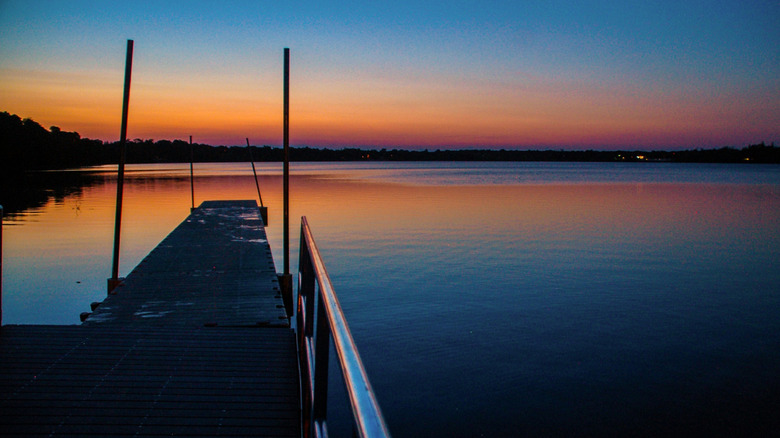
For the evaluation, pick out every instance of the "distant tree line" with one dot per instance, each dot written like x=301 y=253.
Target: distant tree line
x=26 y=145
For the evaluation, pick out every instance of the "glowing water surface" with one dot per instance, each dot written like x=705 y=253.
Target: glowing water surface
x=493 y=299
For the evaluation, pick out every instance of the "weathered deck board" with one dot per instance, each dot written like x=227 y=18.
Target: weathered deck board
x=214 y=268
x=193 y=344
x=107 y=380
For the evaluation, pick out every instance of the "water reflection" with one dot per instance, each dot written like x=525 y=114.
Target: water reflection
x=646 y=305
x=25 y=193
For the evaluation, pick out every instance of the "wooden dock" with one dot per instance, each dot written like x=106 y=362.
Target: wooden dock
x=195 y=342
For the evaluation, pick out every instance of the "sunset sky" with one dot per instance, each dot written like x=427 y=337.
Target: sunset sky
x=516 y=74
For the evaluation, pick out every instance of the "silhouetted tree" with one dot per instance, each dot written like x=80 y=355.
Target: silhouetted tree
x=24 y=144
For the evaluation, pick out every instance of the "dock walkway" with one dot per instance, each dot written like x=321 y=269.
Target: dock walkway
x=195 y=342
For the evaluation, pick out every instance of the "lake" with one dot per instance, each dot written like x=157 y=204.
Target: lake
x=486 y=299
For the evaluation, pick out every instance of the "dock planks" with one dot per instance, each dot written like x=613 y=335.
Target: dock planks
x=195 y=343
x=215 y=268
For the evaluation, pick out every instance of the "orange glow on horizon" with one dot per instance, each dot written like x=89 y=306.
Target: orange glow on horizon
x=393 y=113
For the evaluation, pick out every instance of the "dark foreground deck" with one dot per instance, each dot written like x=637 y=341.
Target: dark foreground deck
x=194 y=343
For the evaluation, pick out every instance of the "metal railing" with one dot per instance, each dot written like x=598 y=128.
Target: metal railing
x=314 y=334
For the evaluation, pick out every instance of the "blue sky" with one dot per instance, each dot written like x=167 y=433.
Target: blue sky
x=601 y=74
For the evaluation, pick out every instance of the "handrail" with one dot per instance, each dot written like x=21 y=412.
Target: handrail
x=314 y=285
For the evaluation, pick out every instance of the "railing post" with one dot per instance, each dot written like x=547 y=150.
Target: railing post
x=306 y=289
x=303 y=323
x=321 y=356
x=114 y=281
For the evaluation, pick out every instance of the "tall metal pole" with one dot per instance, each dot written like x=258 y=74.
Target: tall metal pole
x=286 y=161
x=114 y=281
x=285 y=280
x=192 y=177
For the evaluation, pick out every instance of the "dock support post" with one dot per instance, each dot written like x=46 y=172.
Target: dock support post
x=285 y=280
x=264 y=214
x=114 y=281
x=192 y=177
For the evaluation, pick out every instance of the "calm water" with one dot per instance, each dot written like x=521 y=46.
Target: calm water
x=489 y=299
